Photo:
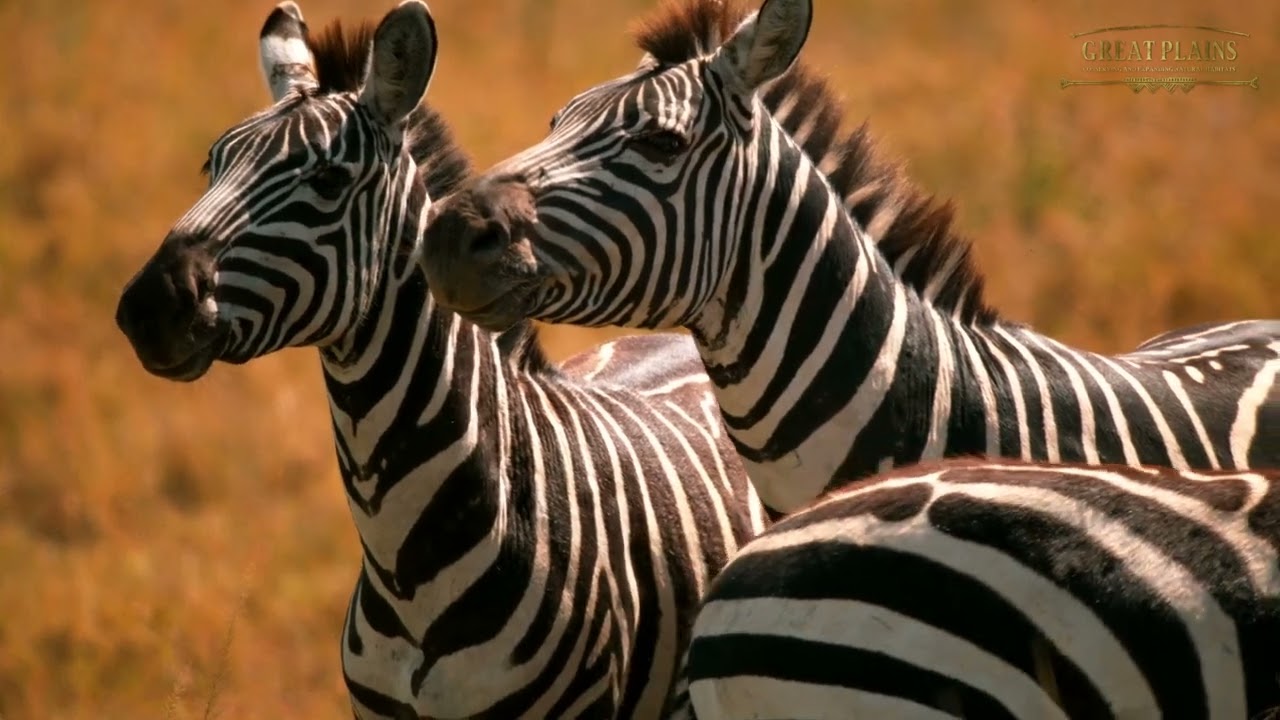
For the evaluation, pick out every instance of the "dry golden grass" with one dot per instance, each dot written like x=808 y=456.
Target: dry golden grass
x=139 y=519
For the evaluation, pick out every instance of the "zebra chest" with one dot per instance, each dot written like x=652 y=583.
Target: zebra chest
x=423 y=566
x=484 y=635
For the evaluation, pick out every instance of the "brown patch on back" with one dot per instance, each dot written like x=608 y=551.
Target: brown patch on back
x=1221 y=490
x=894 y=504
x=912 y=228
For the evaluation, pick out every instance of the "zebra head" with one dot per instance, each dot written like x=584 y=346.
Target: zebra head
x=291 y=239
x=630 y=210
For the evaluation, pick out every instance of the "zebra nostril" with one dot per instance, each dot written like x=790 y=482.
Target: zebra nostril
x=493 y=238
x=203 y=286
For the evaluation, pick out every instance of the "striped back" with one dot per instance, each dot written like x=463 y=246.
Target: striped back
x=1003 y=590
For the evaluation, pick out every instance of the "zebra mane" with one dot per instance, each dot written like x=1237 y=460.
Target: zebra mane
x=913 y=229
x=341 y=57
x=681 y=30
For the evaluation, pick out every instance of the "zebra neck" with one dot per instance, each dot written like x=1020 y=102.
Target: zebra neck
x=408 y=397
x=396 y=320
x=817 y=350
x=416 y=425
x=798 y=270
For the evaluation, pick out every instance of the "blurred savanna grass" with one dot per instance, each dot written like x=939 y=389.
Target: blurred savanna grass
x=141 y=520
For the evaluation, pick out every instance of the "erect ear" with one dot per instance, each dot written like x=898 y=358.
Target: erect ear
x=767 y=42
x=282 y=46
x=400 y=66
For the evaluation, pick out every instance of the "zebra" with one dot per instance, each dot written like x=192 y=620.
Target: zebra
x=535 y=540
x=1003 y=589
x=839 y=343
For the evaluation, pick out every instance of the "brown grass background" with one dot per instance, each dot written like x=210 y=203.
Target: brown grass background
x=158 y=540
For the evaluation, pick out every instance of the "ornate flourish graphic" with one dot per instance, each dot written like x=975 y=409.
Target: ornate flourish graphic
x=1173 y=58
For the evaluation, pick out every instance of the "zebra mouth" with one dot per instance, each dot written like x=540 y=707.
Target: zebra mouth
x=502 y=311
x=192 y=365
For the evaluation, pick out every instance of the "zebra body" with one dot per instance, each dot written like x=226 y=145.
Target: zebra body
x=535 y=541
x=1004 y=590
x=838 y=315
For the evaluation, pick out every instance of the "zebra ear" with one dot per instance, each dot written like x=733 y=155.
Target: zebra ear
x=282 y=46
x=401 y=63
x=767 y=43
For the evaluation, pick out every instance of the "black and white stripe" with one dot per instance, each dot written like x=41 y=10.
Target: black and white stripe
x=535 y=539
x=840 y=343
x=1004 y=590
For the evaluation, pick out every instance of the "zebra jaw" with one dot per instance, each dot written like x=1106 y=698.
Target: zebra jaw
x=496 y=313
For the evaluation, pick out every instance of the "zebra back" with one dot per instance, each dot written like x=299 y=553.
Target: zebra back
x=1004 y=589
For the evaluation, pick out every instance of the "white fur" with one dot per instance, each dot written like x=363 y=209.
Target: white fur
x=286 y=63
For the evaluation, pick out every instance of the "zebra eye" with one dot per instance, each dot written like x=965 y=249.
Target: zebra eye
x=659 y=145
x=328 y=181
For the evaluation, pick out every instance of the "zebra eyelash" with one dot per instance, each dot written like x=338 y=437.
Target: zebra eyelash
x=658 y=144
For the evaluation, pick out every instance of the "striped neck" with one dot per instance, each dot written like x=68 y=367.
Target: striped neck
x=404 y=395
x=828 y=367
x=809 y=303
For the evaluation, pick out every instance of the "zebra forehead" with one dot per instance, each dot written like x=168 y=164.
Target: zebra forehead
x=598 y=97
x=256 y=135
x=657 y=92
x=311 y=120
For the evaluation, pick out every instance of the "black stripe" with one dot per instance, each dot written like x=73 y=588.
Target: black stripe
x=788 y=658
x=1153 y=631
